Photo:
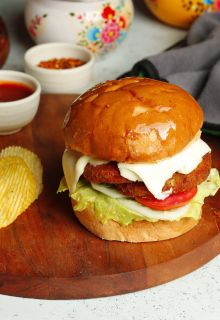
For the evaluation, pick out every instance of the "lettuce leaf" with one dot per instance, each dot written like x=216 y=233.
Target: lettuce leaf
x=63 y=186
x=106 y=208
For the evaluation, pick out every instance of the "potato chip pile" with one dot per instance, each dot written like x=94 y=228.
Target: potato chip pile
x=21 y=174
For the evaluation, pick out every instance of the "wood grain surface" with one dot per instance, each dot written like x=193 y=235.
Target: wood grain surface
x=47 y=254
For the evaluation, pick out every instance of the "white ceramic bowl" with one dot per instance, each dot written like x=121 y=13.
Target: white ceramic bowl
x=73 y=80
x=14 y=115
x=98 y=25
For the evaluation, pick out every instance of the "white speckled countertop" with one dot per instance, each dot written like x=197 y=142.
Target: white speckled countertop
x=195 y=296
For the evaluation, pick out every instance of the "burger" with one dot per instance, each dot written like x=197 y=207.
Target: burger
x=135 y=165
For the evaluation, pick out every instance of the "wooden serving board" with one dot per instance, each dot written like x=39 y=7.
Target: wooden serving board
x=47 y=254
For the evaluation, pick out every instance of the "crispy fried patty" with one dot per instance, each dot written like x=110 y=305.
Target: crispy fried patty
x=104 y=173
x=109 y=173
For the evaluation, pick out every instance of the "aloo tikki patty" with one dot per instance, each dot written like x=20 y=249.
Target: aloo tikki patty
x=110 y=174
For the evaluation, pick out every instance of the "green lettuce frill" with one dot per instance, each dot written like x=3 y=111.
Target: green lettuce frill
x=107 y=208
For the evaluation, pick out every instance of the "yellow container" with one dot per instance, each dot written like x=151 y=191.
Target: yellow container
x=181 y=13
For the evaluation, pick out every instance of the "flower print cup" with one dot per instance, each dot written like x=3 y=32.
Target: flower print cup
x=98 y=25
x=217 y=5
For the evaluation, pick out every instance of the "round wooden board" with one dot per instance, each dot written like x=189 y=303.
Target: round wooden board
x=47 y=254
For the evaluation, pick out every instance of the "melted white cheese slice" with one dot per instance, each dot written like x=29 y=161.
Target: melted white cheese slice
x=73 y=167
x=153 y=175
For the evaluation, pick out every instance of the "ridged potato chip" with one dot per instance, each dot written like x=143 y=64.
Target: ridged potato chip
x=17 y=189
x=31 y=160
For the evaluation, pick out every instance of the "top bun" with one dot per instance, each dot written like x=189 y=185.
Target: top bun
x=132 y=120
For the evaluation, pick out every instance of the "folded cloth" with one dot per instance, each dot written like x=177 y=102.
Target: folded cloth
x=195 y=66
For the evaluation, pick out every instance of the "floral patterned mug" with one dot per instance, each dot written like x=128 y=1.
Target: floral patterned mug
x=99 y=25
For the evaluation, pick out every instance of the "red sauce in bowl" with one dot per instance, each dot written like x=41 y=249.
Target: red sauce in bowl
x=12 y=91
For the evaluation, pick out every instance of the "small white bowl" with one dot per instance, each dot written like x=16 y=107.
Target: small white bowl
x=14 y=115
x=74 y=80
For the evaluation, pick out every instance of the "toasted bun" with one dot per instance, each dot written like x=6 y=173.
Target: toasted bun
x=139 y=231
x=132 y=120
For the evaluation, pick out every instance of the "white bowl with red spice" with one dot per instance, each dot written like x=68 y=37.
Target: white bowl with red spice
x=98 y=25
x=19 y=100
x=53 y=65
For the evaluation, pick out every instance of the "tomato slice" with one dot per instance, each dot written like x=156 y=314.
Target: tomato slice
x=171 y=202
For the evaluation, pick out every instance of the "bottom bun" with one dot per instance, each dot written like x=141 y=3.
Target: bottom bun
x=138 y=231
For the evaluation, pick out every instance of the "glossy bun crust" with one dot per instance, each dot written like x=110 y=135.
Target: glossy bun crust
x=139 y=231
x=132 y=120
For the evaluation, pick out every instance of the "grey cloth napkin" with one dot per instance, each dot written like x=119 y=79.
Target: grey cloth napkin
x=195 y=67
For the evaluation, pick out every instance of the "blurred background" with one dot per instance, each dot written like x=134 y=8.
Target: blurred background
x=147 y=36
